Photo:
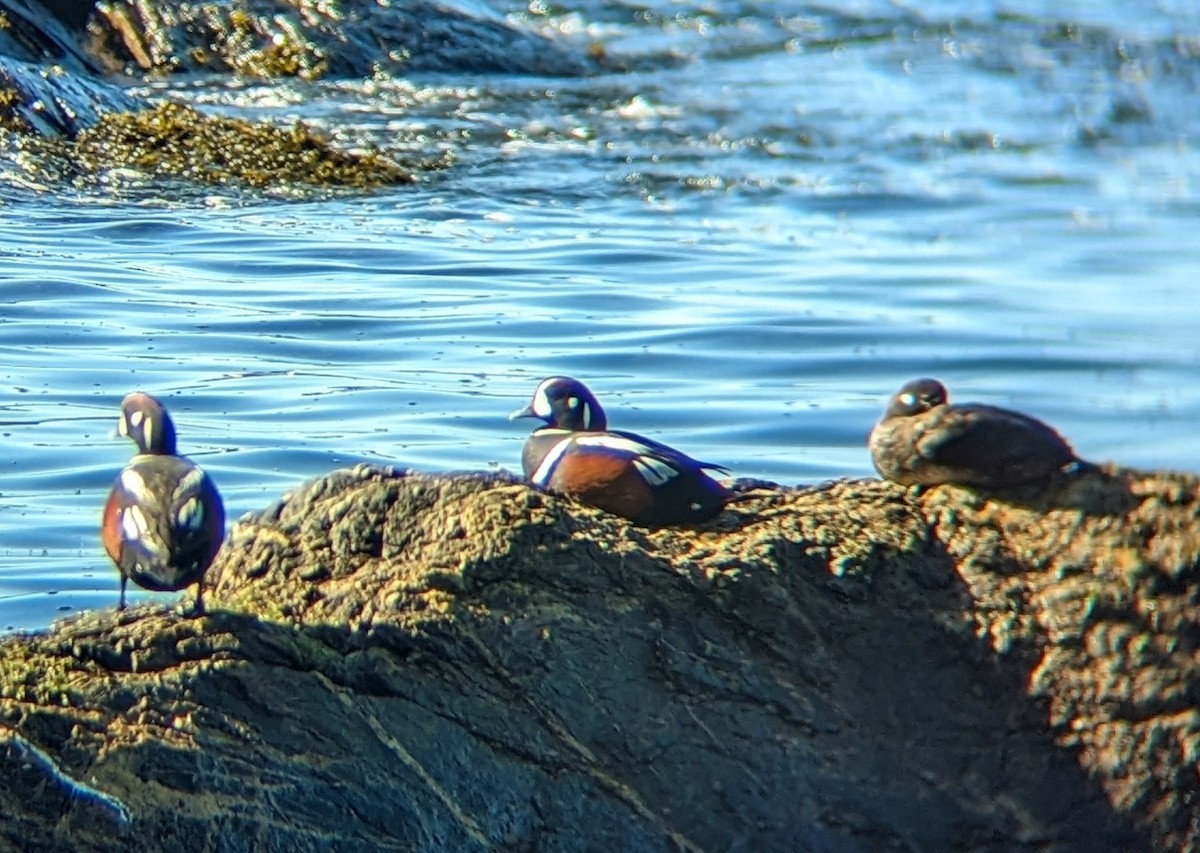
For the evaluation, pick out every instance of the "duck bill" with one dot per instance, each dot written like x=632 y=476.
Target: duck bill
x=526 y=412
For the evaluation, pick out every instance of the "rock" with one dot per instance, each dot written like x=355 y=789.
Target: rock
x=51 y=102
x=177 y=141
x=33 y=34
x=60 y=140
x=48 y=85
x=272 y=39
x=67 y=122
x=395 y=661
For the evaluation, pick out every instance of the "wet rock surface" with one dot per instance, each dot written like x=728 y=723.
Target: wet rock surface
x=401 y=661
x=313 y=38
x=66 y=68
x=59 y=141
x=270 y=39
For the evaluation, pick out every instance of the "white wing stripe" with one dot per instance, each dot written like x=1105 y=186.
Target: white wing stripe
x=654 y=471
x=613 y=442
x=134 y=528
x=191 y=514
x=134 y=484
x=133 y=523
x=544 y=471
x=188 y=483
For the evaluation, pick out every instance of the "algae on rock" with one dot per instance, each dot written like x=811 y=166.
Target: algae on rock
x=402 y=661
x=173 y=140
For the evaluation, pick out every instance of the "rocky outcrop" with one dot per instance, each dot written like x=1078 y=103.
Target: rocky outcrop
x=59 y=58
x=45 y=32
x=402 y=661
x=279 y=38
x=59 y=140
x=314 y=38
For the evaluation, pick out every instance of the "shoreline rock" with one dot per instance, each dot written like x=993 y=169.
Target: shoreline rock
x=404 y=661
x=67 y=106
x=310 y=39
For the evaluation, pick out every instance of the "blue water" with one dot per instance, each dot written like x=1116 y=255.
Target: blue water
x=742 y=253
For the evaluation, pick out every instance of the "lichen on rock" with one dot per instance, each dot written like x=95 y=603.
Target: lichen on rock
x=406 y=661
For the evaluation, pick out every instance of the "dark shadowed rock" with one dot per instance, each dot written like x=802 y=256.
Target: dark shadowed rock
x=37 y=32
x=314 y=38
x=51 y=102
x=281 y=38
x=399 y=661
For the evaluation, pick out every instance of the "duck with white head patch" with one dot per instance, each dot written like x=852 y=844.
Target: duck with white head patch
x=923 y=439
x=623 y=473
x=164 y=521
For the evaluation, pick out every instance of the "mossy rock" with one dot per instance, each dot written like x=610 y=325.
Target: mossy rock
x=173 y=140
x=403 y=661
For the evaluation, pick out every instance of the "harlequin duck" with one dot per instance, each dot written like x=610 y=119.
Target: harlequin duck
x=922 y=439
x=164 y=521
x=575 y=454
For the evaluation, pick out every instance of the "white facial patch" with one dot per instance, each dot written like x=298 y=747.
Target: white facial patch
x=147 y=430
x=587 y=415
x=136 y=417
x=908 y=399
x=541 y=403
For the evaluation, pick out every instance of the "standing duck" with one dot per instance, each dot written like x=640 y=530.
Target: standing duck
x=164 y=520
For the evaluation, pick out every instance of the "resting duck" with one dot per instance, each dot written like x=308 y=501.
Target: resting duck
x=922 y=439
x=626 y=474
